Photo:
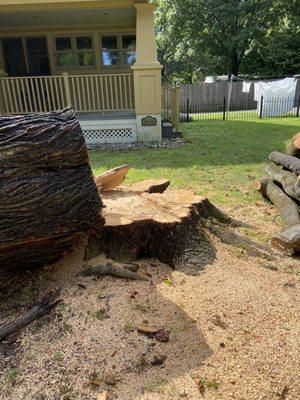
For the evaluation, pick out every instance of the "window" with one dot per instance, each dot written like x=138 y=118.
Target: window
x=37 y=54
x=74 y=52
x=26 y=56
x=128 y=49
x=118 y=50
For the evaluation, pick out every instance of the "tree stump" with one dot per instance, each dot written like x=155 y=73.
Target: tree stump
x=171 y=226
x=48 y=198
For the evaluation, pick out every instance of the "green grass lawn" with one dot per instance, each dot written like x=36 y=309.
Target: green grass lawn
x=221 y=161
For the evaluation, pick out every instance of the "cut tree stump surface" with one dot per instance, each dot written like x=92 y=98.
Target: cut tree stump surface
x=171 y=226
x=124 y=207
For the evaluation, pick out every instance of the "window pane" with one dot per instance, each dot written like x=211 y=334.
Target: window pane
x=84 y=42
x=129 y=42
x=63 y=43
x=66 y=60
x=36 y=46
x=39 y=65
x=85 y=59
x=12 y=47
x=110 y=57
x=109 y=42
x=129 y=57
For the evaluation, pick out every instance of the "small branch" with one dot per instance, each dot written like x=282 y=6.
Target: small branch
x=109 y=269
x=47 y=304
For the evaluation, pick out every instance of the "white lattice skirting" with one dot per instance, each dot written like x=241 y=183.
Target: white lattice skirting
x=109 y=131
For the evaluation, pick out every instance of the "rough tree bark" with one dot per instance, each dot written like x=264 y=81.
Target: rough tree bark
x=289 y=240
x=289 y=181
x=293 y=148
x=48 y=197
x=287 y=208
x=289 y=162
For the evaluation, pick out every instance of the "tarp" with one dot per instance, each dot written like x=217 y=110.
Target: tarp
x=278 y=96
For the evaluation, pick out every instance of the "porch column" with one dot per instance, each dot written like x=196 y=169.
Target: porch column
x=147 y=76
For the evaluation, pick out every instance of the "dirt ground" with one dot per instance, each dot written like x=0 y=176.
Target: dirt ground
x=234 y=329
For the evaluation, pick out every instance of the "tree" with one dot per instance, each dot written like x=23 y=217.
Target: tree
x=214 y=35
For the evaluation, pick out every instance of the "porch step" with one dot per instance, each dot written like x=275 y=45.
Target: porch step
x=169 y=132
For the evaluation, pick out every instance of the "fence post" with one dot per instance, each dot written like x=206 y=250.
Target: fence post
x=67 y=88
x=187 y=110
x=261 y=107
x=175 y=107
x=224 y=108
x=298 y=106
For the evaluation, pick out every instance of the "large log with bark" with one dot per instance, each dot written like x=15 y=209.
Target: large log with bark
x=293 y=148
x=287 y=208
x=290 y=182
x=48 y=198
x=289 y=162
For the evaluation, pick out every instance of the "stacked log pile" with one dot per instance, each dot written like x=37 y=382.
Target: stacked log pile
x=282 y=187
x=48 y=197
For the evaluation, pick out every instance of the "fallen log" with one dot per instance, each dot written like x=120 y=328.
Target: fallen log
x=293 y=148
x=287 y=208
x=109 y=269
x=44 y=307
x=48 y=198
x=289 y=162
x=289 y=240
x=113 y=178
x=289 y=181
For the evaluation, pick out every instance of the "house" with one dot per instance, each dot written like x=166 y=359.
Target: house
x=99 y=56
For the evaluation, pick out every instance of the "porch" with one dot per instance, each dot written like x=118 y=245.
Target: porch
x=97 y=56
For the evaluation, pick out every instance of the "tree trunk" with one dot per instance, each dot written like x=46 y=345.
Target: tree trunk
x=293 y=148
x=287 y=208
x=289 y=162
x=234 y=64
x=171 y=226
x=289 y=181
x=288 y=240
x=48 y=198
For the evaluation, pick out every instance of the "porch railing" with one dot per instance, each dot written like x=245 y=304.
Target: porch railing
x=86 y=93
x=170 y=105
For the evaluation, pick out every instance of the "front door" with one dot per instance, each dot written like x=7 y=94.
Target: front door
x=26 y=56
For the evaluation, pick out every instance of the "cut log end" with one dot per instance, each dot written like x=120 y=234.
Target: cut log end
x=168 y=226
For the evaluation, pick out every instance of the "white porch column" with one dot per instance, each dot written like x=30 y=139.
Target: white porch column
x=147 y=76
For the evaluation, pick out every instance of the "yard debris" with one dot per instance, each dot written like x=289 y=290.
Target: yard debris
x=113 y=178
x=147 y=330
x=162 y=335
x=158 y=359
x=282 y=188
x=149 y=186
x=218 y=321
x=109 y=269
x=103 y=396
x=47 y=304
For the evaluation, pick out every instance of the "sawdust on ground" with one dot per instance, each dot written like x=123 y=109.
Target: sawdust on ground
x=234 y=329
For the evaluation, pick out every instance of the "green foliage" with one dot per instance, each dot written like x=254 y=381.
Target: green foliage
x=200 y=37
